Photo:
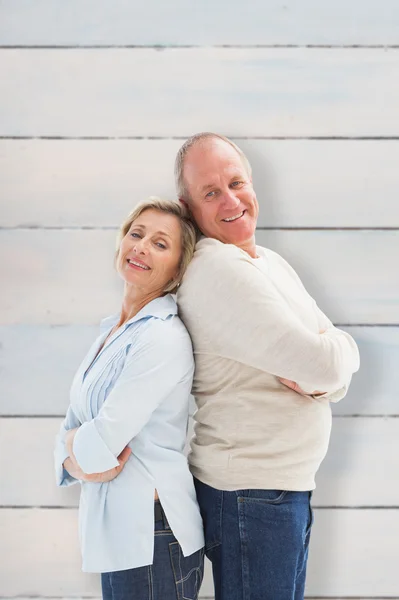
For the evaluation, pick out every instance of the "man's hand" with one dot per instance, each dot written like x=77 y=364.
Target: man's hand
x=294 y=386
x=75 y=471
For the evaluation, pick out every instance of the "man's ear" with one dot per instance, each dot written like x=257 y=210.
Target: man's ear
x=183 y=202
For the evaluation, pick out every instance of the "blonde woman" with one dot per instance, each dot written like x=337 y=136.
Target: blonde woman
x=124 y=433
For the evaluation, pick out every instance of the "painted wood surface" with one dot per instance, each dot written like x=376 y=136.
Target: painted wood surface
x=180 y=22
x=353 y=554
x=176 y=92
x=359 y=469
x=69 y=275
x=38 y=362
x=50 y=305
x=299 y=183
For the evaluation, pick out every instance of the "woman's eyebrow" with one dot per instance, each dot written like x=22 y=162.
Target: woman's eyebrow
x=163 y=233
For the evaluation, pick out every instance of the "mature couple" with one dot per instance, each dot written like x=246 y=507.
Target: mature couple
x=267 y=364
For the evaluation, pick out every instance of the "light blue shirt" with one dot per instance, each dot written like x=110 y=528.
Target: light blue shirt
x=136 y=391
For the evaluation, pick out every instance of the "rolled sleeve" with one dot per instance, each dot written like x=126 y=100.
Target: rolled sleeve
x=62 y=477
x=90 y=450
x=154 y=367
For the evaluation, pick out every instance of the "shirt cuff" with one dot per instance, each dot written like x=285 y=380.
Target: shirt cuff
x=91 y=452
x=334 y=396
x=62 y=477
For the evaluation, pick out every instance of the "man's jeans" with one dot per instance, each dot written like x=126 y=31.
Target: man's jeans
x=171 y=577
x=257 y=541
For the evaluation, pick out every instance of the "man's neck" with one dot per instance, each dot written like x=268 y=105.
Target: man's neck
x=249 y=247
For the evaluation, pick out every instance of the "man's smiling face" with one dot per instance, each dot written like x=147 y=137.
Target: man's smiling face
x=222 y=199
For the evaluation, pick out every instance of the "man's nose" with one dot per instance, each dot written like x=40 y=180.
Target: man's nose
x=230 y=200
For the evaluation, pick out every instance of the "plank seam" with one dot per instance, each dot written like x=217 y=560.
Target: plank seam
x=162 y=47
x=315 y=506
x=328 y=138
x=115 y=227
x=82 y=597
x=351 y=416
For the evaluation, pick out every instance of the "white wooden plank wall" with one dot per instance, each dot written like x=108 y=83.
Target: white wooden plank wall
x=97 y=96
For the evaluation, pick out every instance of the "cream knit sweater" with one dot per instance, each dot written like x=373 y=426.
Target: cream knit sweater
x=251 y=320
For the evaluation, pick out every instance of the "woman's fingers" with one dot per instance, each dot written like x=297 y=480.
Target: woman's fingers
x=124 y=455
x=111 y=473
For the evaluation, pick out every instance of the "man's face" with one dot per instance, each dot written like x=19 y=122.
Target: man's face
x=223 y=201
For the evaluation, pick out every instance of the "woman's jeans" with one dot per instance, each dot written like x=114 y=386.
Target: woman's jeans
x=257 y=541
x=171 y=576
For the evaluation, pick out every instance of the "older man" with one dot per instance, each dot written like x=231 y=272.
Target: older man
x=268 y=363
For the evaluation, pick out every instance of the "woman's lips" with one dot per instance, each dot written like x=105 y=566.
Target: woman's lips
x=137 y=264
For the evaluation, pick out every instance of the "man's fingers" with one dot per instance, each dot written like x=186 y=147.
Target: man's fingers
x=287 y=382
x=292 y=385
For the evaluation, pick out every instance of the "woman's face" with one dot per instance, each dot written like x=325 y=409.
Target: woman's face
x=149 y=254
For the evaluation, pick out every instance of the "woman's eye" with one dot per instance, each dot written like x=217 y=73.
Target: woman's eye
x=160 y=245
x=134 y=234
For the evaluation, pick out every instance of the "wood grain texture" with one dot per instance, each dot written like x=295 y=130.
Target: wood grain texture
x=299 y=183
x=343 y=542
x=208 y=23
x=38 y=362
x=70 y=279
x=176 y=92
x=358 y=471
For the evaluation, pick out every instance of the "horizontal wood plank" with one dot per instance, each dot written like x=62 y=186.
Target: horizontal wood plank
x=299 y=183
x=38 y=362
x=69 y=275
x=176 y=92
x=352 y=275
x=356 y=472
x=43 y=544
x=181 y=23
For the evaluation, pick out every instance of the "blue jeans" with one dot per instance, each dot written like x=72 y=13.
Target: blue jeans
x=257 y=541
x=171 y=576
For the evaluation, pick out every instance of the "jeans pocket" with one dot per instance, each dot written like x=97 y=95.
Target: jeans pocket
x=263 y=496
x=188 y=572
x=310 y=520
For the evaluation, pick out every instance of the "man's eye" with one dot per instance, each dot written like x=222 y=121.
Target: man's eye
x=235 y=183
x=210 y=195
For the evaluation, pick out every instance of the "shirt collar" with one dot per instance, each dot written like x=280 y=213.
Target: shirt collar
x=161 y=308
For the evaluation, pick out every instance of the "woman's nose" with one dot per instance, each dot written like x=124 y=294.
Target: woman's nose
x=141 y=246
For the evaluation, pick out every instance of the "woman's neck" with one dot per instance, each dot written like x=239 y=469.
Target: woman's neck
x=134 y=300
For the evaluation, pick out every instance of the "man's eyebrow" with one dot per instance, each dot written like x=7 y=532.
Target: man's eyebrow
x=235 y=175
x=207 y=187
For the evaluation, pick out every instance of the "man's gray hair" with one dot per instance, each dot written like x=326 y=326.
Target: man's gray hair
x=181 y=187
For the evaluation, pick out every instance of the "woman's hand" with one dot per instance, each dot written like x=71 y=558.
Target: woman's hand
x=75 y=471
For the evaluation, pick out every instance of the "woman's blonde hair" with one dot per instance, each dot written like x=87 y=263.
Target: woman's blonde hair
x=189 y=233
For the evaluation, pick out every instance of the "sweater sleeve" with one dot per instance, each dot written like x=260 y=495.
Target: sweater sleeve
x=245 y=318
x=325 y=324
